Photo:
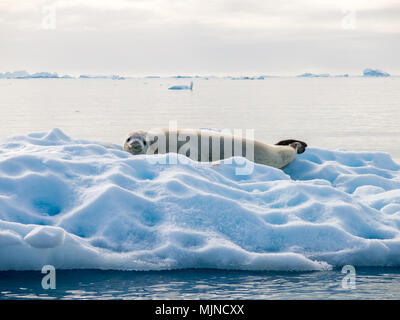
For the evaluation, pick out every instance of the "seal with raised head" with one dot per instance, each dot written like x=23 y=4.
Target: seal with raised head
x=209 y=146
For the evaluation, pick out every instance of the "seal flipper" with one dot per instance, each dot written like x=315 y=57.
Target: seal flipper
x=289 y=142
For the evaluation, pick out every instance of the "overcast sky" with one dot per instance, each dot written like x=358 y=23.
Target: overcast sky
x=168 y=37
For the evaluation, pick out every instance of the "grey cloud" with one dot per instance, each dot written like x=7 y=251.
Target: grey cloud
x=190 y=37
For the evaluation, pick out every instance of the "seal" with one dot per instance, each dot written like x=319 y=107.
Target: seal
x=210 y=146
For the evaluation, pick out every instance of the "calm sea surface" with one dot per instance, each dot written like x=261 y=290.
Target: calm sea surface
x=353 y=114
x=345 y=113
x=370 y=283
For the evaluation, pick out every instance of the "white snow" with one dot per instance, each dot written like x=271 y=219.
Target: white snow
x=77 y=204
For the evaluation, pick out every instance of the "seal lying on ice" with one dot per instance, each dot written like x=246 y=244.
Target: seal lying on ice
x=206 y=145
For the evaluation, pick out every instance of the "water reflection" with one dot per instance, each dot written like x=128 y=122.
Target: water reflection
x=372 y=283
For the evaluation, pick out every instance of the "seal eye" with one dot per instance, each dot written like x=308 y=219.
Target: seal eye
x=144 y=142
x=129 y=139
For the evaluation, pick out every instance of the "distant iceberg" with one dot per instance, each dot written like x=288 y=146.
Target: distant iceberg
x=44 y=75
x=375 y=73
x=322 y=75
x=242 y=78
x=77 y=204
x=22 y=74
x=262 y=77
x=313 y=75
x=209 y=77
x=14 y=75
x=182 y=77
x=112 y=77
x=182 y=87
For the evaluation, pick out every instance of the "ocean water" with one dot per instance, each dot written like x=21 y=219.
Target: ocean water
x=327 y=209
x=348 y=113
x=370 y=283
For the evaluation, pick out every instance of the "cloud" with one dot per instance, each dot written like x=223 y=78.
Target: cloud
x=200 y=35
x=252 y=15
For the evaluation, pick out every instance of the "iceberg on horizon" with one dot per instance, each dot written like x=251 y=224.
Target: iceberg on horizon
x=112 y=77
x=182 y=87
x=181 y=77
x=375 y=73
x=313 y=75
x=43 y=75
x=22 y=74
x=14 y=75
x=77 y=204
x=262 y=77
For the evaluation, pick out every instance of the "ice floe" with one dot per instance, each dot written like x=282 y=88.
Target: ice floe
x=79 y=204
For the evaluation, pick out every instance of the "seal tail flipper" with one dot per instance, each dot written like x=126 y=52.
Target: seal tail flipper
x=290 y=141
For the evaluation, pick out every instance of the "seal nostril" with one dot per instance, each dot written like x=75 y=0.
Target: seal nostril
x=136 y=145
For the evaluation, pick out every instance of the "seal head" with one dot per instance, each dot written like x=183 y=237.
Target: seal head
x=136 y=143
